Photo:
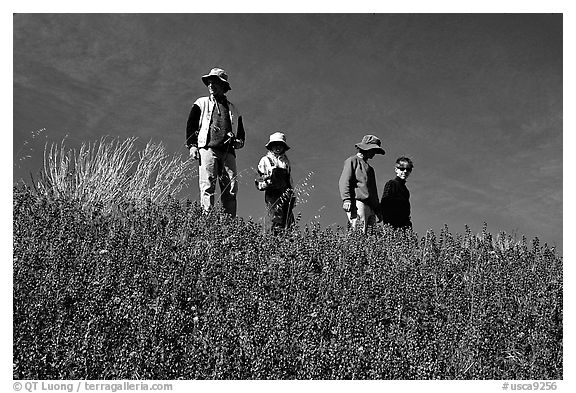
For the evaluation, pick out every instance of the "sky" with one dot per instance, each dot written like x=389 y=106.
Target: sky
x=476 y=100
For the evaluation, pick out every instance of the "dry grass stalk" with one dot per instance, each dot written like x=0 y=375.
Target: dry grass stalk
x=106 y=172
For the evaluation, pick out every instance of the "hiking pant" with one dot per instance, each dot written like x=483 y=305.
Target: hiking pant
x=361 y=215
x=218 y=165
x=279 y=205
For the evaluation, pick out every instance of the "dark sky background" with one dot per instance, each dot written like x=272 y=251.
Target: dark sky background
x=475 y=100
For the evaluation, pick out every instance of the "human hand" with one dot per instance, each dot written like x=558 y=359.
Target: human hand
x=346 y=205
x=237 y=143
x=194 y=153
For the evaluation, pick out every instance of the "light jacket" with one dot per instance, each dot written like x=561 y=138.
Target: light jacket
x=271 y=161
x=207 y=106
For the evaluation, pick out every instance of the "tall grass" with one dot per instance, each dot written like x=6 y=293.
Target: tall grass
x=110 y=171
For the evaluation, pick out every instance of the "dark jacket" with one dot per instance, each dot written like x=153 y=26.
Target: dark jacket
x=395 y=204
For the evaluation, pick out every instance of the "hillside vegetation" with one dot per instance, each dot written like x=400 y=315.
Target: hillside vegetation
x=159 y=290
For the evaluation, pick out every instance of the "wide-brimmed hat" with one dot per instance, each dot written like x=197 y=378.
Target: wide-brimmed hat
x=278 y=137
x=217 y=73
x=371 y=142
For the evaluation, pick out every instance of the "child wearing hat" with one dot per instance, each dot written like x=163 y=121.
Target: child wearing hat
x=358 y=185
x=274 y=168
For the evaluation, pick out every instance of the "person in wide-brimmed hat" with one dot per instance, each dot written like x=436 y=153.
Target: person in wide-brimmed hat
x=276 y=182
x=213 y=132
x=219 y=74
x=358 y=184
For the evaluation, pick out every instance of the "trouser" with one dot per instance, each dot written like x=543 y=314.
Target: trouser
x=361 y=215
x=218 y=165
x=279 y=205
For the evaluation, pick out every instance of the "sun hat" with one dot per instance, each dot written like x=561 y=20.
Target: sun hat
x=371 y=142
x=278 y=137
x=218 y=73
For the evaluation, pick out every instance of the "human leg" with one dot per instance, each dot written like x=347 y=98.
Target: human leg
x=229 y=184
x=365 y=215
x=207 y=175
x=273 y=210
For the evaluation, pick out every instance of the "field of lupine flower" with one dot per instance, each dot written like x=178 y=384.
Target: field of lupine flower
x=114 y=278
x=159 y=290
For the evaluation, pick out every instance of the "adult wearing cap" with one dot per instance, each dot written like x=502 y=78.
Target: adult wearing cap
x=358 y=185
x=214 y=132
x=275 y=172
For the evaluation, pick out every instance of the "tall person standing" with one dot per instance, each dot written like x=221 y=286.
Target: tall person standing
x=214 y=132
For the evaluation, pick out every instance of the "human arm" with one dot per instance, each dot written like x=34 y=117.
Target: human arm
x=389 y=203
x=263 y=181
x=192 y=127
x=378 y=212
x=264 y=167
x=347 y=205
x=346 y=185
x=390 y=191
x=240 y=135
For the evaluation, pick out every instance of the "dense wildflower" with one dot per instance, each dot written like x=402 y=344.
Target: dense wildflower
x=164 y=291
